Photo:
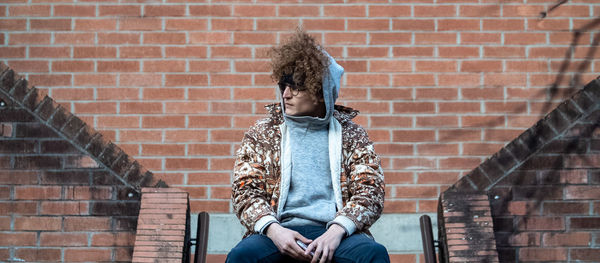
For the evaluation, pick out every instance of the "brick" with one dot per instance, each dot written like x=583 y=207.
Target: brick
x=345 y=38
x=18 y=208
x=196 y=192
x=140 y=52
x=94 y=52
x=413 y=80
x=186 y=107
x=203 y=205
x=416 y=192
x=241 y=38
x=13 y=52
x=81 y=255
x=412 y=163
x=413 y=135
x=413 y=25
x=524 y=239
x=234 y=24
x=479 y=38
x=29 y=38
x=584 y=223
x=209 y=66
x=186 y=136
x=230 y=52
x=185 y=52
x=459 y=107
x=389 y=11
x=29 y=10
x=37 y=193
x=541 y=223
x=38 y=223
x=118 y=121
x=574 y=239
x=459 y=163
x=38 y=254
x=139 y=24
x=390 y=94
x=211 y=178
x=29 y=66
x=230 y=80
x=544 y=254
x=315 y=24
x=163 y=93
x=163 y=150
x=84 y=223
x=119 y=10
x=437 y=121
x=187 y=163
x=63 y=239
x=118 y=239
x=458 y=52
x=481 y=66
x=64 y=208
x=254 y=10
x=397 y=206
x=227 y=135
x=412 y=51
x=95 y=24
x=72 y=66
x=435 y=38
x=297 y=11
x=14 y=24
x=164 y=10
x=394 y=149
x=18 y=239
x=458 y=25
x=223 y=164
x=504 y=52
x=164 y=66
x=140 y=107
x=585 y=254
x=211 y=10
x=209 y=122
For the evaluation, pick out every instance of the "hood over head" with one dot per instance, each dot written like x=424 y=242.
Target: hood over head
x=331 y=89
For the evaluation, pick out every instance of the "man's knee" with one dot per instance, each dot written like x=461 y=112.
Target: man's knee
x=237 y=254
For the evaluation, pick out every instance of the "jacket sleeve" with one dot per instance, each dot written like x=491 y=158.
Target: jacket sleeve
x=366 y=187
x=249 y=195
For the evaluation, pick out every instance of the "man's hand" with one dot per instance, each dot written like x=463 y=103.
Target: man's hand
x=325 y=245
x=285 y=240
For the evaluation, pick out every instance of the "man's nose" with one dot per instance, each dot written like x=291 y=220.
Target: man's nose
x=287 y=92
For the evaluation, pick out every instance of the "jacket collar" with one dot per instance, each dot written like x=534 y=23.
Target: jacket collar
x=342 y=113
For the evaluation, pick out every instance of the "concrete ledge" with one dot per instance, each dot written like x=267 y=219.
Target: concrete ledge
x=399 y=233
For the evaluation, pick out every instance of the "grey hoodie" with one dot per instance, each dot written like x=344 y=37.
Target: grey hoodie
x=310 y=199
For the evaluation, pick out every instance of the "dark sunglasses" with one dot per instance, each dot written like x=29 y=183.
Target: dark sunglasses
x=293 y=88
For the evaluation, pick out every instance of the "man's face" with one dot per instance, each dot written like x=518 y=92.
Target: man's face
x=301 y=103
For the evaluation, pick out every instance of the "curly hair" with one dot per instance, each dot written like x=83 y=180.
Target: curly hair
x=301 y=57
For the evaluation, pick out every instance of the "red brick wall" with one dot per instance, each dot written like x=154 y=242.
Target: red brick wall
x=440 y=85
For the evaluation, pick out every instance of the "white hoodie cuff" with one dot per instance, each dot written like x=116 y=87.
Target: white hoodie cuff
x=263 y=222
x=344 y=222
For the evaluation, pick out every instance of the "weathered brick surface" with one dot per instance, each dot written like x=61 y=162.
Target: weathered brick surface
x=161 y=225
x=468 y=228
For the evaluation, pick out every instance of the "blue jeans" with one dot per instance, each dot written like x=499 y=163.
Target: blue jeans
x=355 y=248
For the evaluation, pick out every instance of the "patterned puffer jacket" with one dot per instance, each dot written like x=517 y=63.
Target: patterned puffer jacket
x=257 y=180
